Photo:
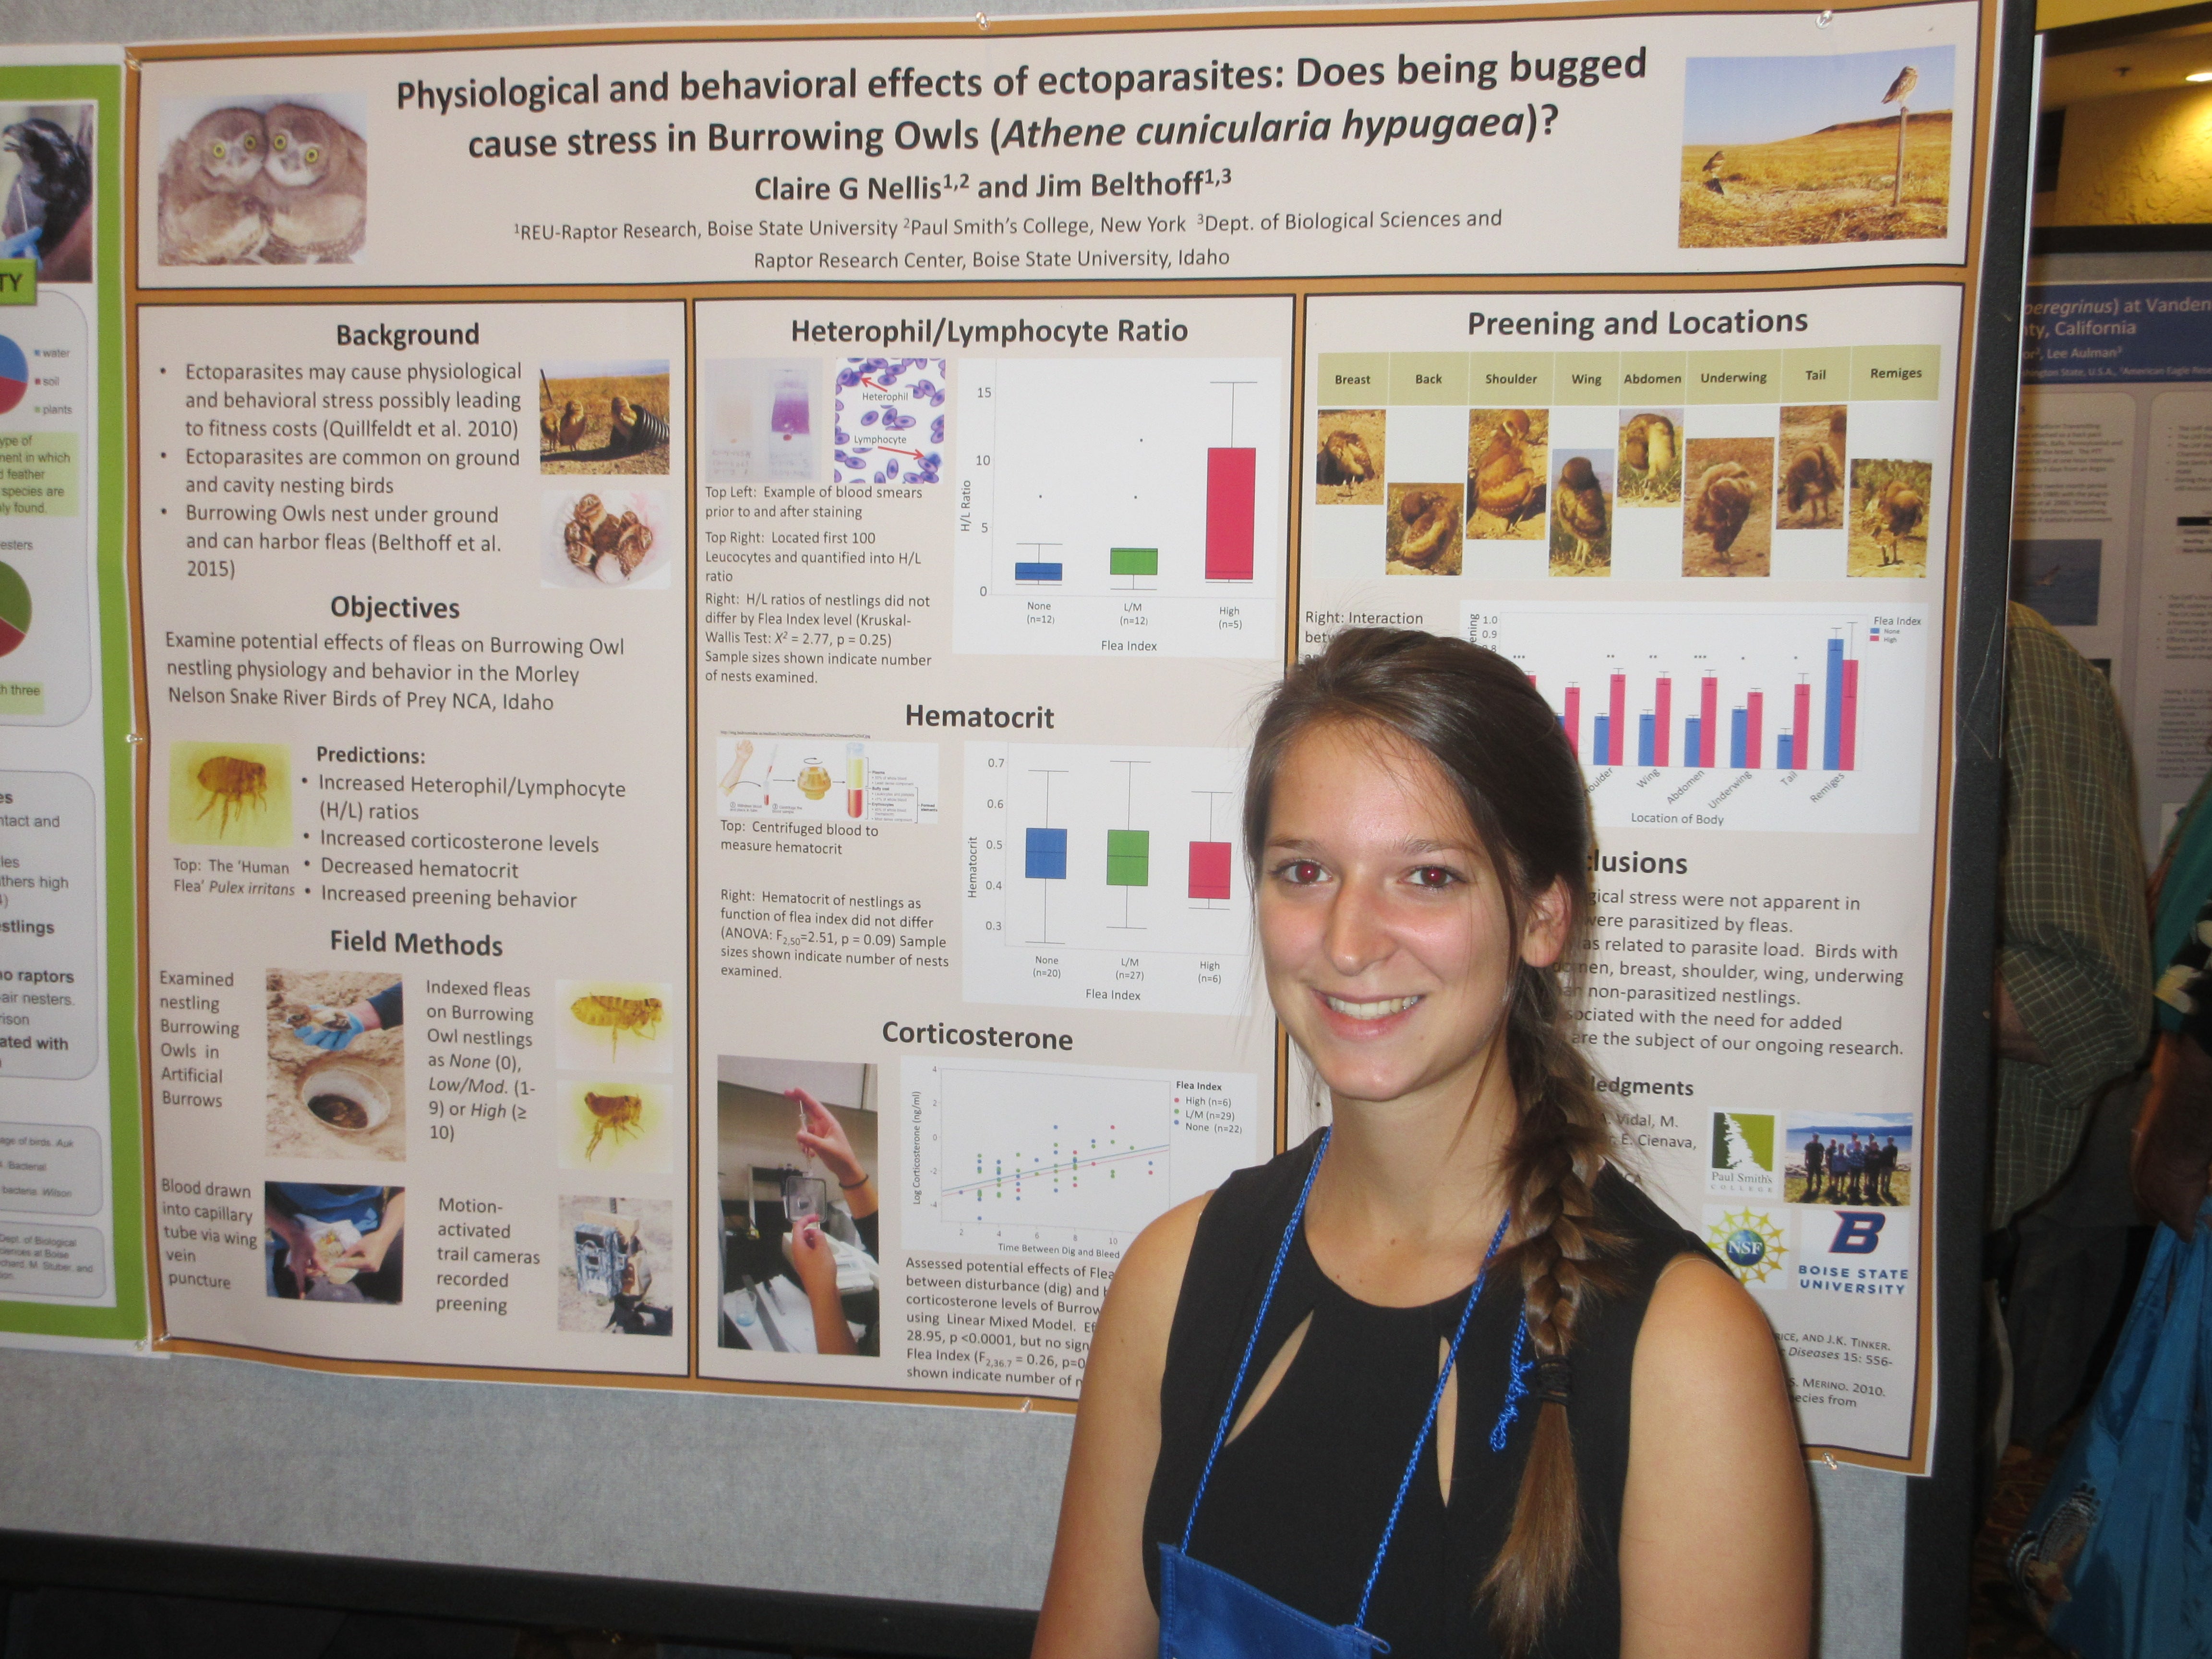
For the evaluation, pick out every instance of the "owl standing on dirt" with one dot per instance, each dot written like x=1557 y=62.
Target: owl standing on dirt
x=315 y=188
x=209 y=214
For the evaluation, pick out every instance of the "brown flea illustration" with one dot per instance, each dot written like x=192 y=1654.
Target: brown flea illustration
x=232 y=785
x=615 y=1114
x=615 y=1015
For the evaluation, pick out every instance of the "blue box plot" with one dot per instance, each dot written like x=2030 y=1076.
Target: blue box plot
x=1044 y=854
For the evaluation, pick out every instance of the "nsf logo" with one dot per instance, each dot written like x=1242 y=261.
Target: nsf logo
x=1751 y=1240
x=1744 y=1248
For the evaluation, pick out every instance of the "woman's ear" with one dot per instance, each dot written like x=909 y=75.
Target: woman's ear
x=1544 y=935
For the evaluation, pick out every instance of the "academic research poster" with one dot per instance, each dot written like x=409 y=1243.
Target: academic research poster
x=705 y=588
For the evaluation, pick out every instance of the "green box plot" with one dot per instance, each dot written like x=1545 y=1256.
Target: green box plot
x=1128 y=857
x=1133 y=560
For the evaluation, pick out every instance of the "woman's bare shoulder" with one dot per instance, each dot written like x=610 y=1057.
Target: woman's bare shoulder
x=1149 y=1281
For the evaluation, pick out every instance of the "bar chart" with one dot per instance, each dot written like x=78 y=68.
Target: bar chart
x=1118 y=505
x=1749 y=717
x=1011 y=1155
x=1105 y=878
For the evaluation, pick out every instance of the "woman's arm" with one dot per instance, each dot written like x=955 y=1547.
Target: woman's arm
x=1096 y=1605
x=1713 y=1457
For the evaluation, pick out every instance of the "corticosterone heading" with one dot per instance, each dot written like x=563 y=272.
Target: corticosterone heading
x=975 y=1037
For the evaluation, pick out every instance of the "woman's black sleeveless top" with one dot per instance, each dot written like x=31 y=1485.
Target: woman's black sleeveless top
x=1297 y=1502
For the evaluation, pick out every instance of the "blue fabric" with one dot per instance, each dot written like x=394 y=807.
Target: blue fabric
x=363 y=1206
x=2116 y=1558
x=1207 y=1613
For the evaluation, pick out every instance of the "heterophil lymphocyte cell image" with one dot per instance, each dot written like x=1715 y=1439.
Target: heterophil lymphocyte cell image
x=891 y=420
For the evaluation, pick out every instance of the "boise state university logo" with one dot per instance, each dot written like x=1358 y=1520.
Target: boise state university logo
x=1751 y=1242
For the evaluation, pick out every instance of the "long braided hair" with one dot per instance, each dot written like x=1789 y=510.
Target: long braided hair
x=1499 y=746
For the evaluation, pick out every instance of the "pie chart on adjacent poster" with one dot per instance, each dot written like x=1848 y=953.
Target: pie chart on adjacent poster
x=15 y=375
x=14 y=609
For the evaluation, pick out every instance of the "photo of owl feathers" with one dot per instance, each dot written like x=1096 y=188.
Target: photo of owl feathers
x=286 y=186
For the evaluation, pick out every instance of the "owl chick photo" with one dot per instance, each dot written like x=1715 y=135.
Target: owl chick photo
x=262 y=180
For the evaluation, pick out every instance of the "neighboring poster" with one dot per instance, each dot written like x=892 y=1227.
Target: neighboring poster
x=2112 y=519
x=72 y=1263
x=779 y=895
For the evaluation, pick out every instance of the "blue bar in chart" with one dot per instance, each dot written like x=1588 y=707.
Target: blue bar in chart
x=1599 y=748
x=1039 y=572
x=1735 y=737
x=1044 y=854
x=1645 y=726
x=1692 y=736
x=1782 y=752
x=1831 y=734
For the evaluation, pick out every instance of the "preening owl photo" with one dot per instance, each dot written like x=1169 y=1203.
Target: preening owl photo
x=288 y=185
x=314 y=187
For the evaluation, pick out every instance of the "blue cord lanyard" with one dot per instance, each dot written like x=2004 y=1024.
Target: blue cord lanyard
x=1436 y=1398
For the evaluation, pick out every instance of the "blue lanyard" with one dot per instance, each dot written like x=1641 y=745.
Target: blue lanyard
x=1436 y=1398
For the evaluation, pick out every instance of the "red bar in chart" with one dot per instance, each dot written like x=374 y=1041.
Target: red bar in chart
x=1615 y=733
x=1231 y=492
x=1850 y=757
x=1801 y=726
x=1754 y=706
x=1708 y=720
x=1572 y=720
x=1663 y=705
x=1209 y=869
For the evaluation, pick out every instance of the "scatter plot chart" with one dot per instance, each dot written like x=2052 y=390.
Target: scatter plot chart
x=1103 y=878
x=1011 y=1156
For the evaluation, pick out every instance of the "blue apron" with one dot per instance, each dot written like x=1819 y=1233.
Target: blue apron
x=1207 y=1613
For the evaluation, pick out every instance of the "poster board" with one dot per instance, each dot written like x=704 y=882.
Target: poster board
x=2106 y=544
x=1271 y=311
x=72 y=1208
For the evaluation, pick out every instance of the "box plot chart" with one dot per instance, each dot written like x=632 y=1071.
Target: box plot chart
x=1113 y=506
x=1783 y=717
x=1009 y=1154
x=1105 y=878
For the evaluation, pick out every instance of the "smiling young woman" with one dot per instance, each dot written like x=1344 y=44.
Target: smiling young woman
x=1442 y=1378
